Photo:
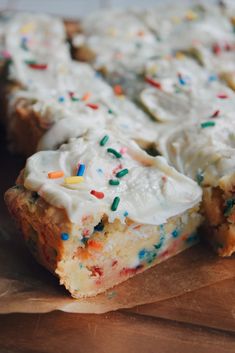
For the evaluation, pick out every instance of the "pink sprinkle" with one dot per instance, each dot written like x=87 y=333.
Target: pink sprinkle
x=115 y=170
x=222 y=96
x=6 y=54
x=85 y=232
x=164 y=178
x=123 y=150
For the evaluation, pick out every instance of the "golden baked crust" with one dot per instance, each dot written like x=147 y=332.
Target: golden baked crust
x=219 y=227
x=111 y=255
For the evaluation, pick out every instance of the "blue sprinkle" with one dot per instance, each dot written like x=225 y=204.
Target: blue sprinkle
x=64 y=236
x=81 y=170
x=125 y=214
x=181 y=80
x=98 y=74
x=175 y=233
x=99 y=170
x=80 y=265
x=99 y=227
x=61 y=99
x=142 y=253
x=212 y=78
x=192 y=238
x=84 y=240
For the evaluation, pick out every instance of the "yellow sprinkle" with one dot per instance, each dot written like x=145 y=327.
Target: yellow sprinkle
x=152 y=70
x=176 y=20
x=27 y=28
x=121 y=96
x=73 y=180
x=191 y=15
x=179 y=55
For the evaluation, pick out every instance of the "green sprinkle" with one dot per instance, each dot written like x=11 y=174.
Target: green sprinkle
x=30 y=62
x=114 y=152
x=114 y=182
x=199 y=177
x=228 y=206
x=122 y=173
x=207 y=124
x=115 y=203
x=74 y=99
x=110 y=111
x=104 y=140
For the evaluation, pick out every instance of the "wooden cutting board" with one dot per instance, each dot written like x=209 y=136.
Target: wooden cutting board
x=200 y=321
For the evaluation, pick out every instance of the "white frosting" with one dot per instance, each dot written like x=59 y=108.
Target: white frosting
x=205 y=154
x=49 y=90
x=187 y=91
x=151 y=192
x=181 y=26
x=119 y=39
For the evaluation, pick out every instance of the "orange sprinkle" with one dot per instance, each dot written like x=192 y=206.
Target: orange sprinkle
x=118 y=90
x=92 y=244
x=185 y=236
x=141 y=33
x=86 y=96
x=56 y=175
x=82 y=253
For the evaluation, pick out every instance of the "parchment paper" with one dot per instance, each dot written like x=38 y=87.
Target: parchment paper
x=26 y=287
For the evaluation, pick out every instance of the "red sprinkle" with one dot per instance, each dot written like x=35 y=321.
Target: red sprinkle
x=92 y=106
x=215 y=114
x=216 y=49
x=222 y=96
x=118 y=90
x=153 y=83
x=95 y=270
x=71 y=94
x=114 y=263
x=228 y=47
x=97 y=194
x=38 y=66
x=130 y=271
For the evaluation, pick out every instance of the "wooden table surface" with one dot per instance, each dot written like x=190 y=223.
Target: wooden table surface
x=202 y=321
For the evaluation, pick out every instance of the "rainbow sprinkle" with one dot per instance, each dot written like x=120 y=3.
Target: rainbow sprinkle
x=104 y=140
x=34 y=65
x=97 y=194
x=74 y=180
x=114 y=182
x=181 y=80
x=215 y=114
x=64 y=236
x=207 y=124
x=122 y=173
x=115 y=203
x=222 y=96
x=81 y=169
x=55 y=175
x=92 y=106
x=153 y=83
x=114 y=152
x=229 y=206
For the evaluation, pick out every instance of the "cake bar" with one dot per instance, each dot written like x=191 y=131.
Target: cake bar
x=204 y=151
x=100 y=210
x=45 y=86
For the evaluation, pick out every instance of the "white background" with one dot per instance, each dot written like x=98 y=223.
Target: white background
x=77 y=8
